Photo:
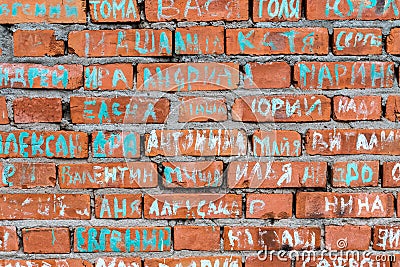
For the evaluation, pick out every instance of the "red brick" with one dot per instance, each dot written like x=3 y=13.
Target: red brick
x=393 y=108
x=113 y=239
x=118 y=206
x=344 y=75
x=353 y=142
x=8 y=238
x=117 y=261
x=269 y=206
x=355 y=173
x=357 y=41
x=201 y=10
x=270 y=261
x=344 y=205
x=391 y=174
x=46 y=240
x=38 y=43
x=392 y=45
x=200 y=40
x=352 y=9
x=192 y=206
x=233 y=261
x=115 y=144
x=44 y=207
x=274 y=238
x=276 y=174
x=34 y=144
x=338 y=237
x=104 y=43
x=276 y=143
x=196 y=238
x=386 y=237
x=196 y=174
x=202 y=109
x=32 y=110
x=117 y=76
x=15 y=75
x=27 y=174
x=176 y=77
x=357 y=108
x=107 y=175
x=275 y=41
x=207 y=142
x=280 y=10
x=3 y=111
x=282 y=108
x=28 y=12
x=46 y=262
x=114 y=11
x=337 y=259
x=122 y=109
x=278 y=75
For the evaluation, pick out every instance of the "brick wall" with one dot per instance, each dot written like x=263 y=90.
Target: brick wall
x=183 y=133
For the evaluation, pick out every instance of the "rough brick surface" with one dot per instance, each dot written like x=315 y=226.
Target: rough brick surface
x=199 y=133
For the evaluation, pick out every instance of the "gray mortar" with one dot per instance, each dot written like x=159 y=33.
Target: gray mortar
x=62 y=31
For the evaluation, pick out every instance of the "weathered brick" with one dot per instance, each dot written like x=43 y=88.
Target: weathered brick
x=114 y=11
x=117 y=261
x=355 y=173
x=8 y=238
x=49 y=11
x=46 y=262
x=36 y=76
x=276 y=174
x=338 y=238
x=274 y=238
x=202 y=109
x=335 y=259
x=276 y=10
x=233 y=261
x=275 y=41
x=100 y=77
x=27 y=174
x=46 y=240
x=386 y=237
x=32 y=110
x=34 y=144
x=200 y=40
x=3 y=111
x=269 y=206
x=118 y=206
x=344 y=75
x=207 y=142
x=44 y=207
x=196 y=238
x=282 y=108
x=201 y=10
x=393 y=108
x=194 y=174
x=176 y=77
x=391 y=174
x=344 y=205
x=123 y=109
x=107 y=175
x=266 y=75
x=120 y=42
x=353 y=142
x=357 y=41
x=185 y=206
x=276 y=143
x=37 y=43
x=357 y=108
x=112 y=239
x=115 y=144
x=352 y=9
